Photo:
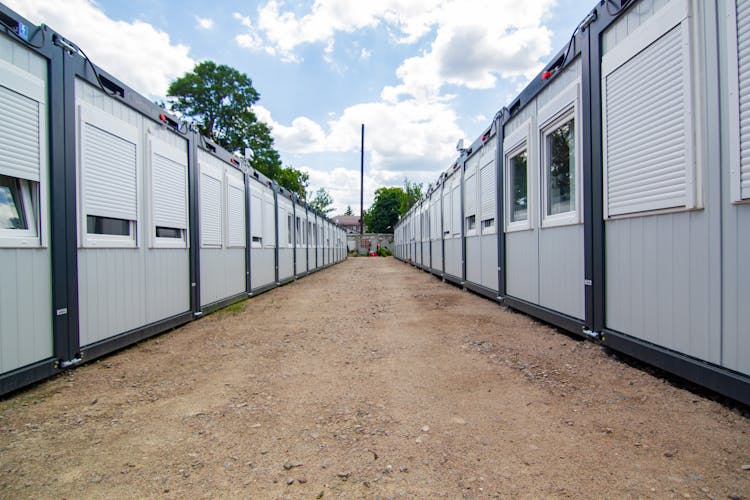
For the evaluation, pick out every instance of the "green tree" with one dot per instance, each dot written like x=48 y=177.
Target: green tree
x=322 y=201
x=294 y=180
x=219 y=100
x=349 y=210
x=413 y=193
x=385 y=210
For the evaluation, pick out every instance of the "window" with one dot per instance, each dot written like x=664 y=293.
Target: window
x=109 y=179
x=22 y=157
x=297 y=235
x=256 y=217
x=14 y=204
x=738 y=24
x=518 y=169
x=168 y=195
x=488 y=224
x=235 y=192
x=471 y=222
x=168 y=232
x=289 y=229
x=648 y=92
x=559 y=169
x=488 y=187
x=107 y=225
x=211 y=204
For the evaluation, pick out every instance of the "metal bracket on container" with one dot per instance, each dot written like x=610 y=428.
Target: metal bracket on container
x=592 y=334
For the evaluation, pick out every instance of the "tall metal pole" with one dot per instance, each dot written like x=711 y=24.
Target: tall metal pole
x=362 y=186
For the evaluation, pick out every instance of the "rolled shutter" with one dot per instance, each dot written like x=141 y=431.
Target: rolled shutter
x=456 y=206
x=648 y=146
x=256 y=215
x=211 y=198
x=235 y=209
x=743 y=52
x=269 y=220
x=20 y=154
x=168 y=185
x=109 y=165
x=487 y=190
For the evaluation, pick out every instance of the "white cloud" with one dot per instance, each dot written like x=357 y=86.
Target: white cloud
x=343 y=186
x=364 y=54
x=400 y=141
x=135 y=52
x=204 y=23
x=475 y=41
x=302 y=136
x=284 y=31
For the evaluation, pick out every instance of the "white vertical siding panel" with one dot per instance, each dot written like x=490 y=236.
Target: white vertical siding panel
x=561 y=270
x=521 y=265
x=474 y=260
x=167 y=286
x=658 y=282
x=489 y=261
x=263 y=268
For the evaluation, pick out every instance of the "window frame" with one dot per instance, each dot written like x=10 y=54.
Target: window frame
x=562 y=109
x=109 y=123
x=672 y=15
x=163 y=148
x=733 y=77
x=33 y=196
x=514 y=144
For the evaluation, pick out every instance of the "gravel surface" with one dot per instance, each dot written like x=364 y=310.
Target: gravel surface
x=369 y=379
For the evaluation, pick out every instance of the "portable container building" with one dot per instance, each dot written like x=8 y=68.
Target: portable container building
x=222 y=230
x=480 y=215
x=117 y=222
x=263 y=234
x=285 y=234
x=623 y=190
x=452 y=227
x=436 y=230
x=420 y=223
x=300 y=239
x=27 y=346
x=544 y=234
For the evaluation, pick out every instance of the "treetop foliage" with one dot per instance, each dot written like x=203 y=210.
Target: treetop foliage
x=219 y=100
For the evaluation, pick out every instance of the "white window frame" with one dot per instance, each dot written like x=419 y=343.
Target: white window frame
x=563 y=108
x=107 y=122
x=733 y=71
x=256 y=193
x=673 y=14
x=34 y=195
x=161 y=147
x=517 y=141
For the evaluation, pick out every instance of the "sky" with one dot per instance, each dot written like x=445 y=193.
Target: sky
x=420 y=75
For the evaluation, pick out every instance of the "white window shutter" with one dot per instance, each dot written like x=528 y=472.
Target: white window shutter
x=269 y=220
x=211 y=213
x=456 y=207
x=487 y=190
x=648 y=134
x=235 y=209
x=256 y=215
x=20 y=153
x=168 y=185
x=743 y=62
x=109 y=165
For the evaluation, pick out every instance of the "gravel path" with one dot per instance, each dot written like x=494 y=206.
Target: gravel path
x=368 y=378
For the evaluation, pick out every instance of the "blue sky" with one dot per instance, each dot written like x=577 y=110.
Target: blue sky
x=420 y=75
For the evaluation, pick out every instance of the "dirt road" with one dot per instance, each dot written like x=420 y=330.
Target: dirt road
x=369 y=378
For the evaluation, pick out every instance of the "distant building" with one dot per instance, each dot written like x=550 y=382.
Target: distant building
x=348 y=222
